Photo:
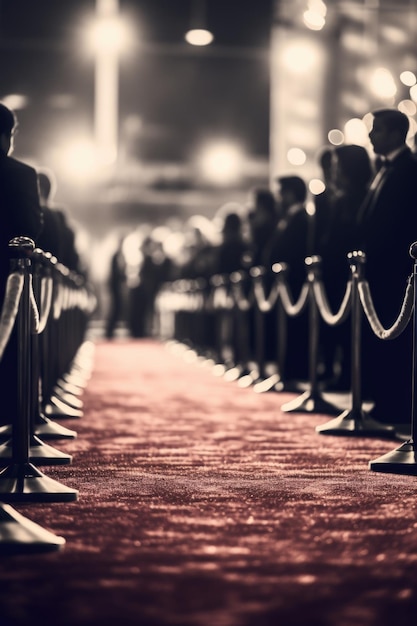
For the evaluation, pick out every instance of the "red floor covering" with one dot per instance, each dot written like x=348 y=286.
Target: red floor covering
x=203 y=504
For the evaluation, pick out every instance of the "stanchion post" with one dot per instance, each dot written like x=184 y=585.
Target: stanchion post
x=277 y=382
x=242 y=329
x=257 y=274
x=355 y=420
x=21 y=481
x=21 y=424
x=312 y=401
x=403 y=460
x=43 y=426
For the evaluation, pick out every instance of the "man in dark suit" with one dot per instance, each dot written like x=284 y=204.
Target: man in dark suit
x=57 y=236
x=20 y=211
x=289 y=243
x=20 y=214
x=387 y=228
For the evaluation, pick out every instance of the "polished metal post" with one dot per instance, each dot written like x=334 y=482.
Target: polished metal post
x=258 y=373
x=21 y=481
x=39 y=452
x=403 y=460
x=19 y=535
x=312 y=401
x=355 y=420
x=242 y=337
x=43 y=426
x=277 y=382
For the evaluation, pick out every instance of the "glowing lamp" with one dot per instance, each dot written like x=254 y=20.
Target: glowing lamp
x=199 y=37
x=221 y=162
x=198 y=33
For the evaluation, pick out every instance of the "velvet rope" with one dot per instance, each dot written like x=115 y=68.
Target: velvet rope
x=332 y=319
x=34 y=311
x=290 y=307
x=400 y=323
x=46 y=302
x=244 y=303
x=265 y=304
x=222 y=299
x=58 y=301
x=14 y=288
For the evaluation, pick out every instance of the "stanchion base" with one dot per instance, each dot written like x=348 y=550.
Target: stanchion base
x=68 y=398
x=249 y=379
x=40 y=453
x=24 y=483
x=66 y=387
x=19 y=535
x=57 y=408
x=5 y=432
x=403 y=432
x=309 y=402
x=268 y=384
x=48 y=429
x=233 y=373
x=402 y=460
x=275 y=384
x=356 y=424
x=219 y=369
x=44 y=428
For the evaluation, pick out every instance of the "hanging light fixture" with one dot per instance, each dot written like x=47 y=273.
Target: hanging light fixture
x=198 y=33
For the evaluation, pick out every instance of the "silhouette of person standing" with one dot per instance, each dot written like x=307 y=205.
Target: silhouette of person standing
x=20 y=215
x=289 y=243
x=57 y=235
x=116 y=284
x=352 y=172
x=387 y=228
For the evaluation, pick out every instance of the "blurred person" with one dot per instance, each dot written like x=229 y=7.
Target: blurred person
x=230 y=254
x=200 y=242
x=154 y=271
x=387 y=227
x=289 y=244
x=262 y=218
x=352 y=172
x=133 y=256
x=20 y=215
x=116 y=284
x=57 y=236
x=323 y=201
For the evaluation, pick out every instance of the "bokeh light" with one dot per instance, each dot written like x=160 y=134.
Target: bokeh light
x=78 y=159
x=382 y=83
x=300 y=57
x=316 y=186
x=109 y=34
x=408 y=78
x=296 y=156
x=335 y=136
x=356 y=132
x=15 y=101
x=408 y=107
x=221 y=162
x=413 y=93
x=199 y=37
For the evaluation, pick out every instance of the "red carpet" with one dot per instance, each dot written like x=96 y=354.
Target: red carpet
x=202 y=504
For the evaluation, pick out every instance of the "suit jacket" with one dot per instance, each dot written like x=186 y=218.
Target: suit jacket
x=387 y=228
x=20 y=211
x=58 y=237
x=289 y=243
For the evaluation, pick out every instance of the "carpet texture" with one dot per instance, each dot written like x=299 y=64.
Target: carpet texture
x=203 y=504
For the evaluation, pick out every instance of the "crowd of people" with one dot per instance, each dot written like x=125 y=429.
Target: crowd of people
x=367 y=204
x=27 y=209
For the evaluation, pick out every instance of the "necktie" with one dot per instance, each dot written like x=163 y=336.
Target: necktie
x=373 y=191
